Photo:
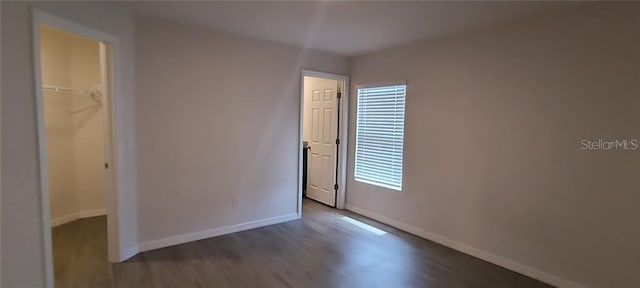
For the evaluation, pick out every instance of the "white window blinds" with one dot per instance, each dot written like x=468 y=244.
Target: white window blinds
x=379 y=135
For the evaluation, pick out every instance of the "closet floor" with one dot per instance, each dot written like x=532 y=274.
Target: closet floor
x=80 y=254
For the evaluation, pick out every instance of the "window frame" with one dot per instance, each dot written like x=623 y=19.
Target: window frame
x=357 y=116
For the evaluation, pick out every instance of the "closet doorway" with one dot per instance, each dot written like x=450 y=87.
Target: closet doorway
x=73 y=79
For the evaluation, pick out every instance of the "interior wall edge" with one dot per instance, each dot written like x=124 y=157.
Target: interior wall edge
x=126 y=253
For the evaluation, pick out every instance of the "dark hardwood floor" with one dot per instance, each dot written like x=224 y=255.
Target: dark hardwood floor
x=80 y=254
x=321 y=250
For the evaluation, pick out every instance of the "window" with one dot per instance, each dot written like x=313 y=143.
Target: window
x=379 y=135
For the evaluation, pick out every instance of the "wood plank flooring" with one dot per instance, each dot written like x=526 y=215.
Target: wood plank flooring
x=321 y=250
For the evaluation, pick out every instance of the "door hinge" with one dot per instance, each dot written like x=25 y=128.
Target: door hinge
x=106 y=165
x=339 y=95
x=335 y=187
x=337 y=141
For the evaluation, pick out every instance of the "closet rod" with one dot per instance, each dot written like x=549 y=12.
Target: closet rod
x=59 y=89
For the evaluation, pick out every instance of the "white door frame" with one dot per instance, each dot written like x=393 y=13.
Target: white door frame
x=343 y=118
x=110 y=49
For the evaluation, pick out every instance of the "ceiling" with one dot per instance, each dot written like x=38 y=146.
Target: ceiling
x=345 y=28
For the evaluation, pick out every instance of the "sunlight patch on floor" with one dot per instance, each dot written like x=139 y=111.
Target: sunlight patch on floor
x=363 y=225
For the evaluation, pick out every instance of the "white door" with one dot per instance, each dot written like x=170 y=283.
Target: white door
x=323 y=121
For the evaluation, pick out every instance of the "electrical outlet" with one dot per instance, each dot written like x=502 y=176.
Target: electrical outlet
x=236 y=203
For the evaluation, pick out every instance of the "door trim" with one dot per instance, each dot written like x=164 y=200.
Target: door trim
x=111 y=49
x=343 y=117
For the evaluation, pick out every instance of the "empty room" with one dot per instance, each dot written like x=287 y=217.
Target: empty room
x=320 y=144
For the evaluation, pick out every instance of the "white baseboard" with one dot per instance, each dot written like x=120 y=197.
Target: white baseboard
x=78 y=215
x=478 y=253
x=190 y=237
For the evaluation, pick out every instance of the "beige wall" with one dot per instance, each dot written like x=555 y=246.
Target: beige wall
x=88 y=126
x=56 y=70
x=21 y=244
x=220 y=120
x=75 y=141
x=492 y=158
